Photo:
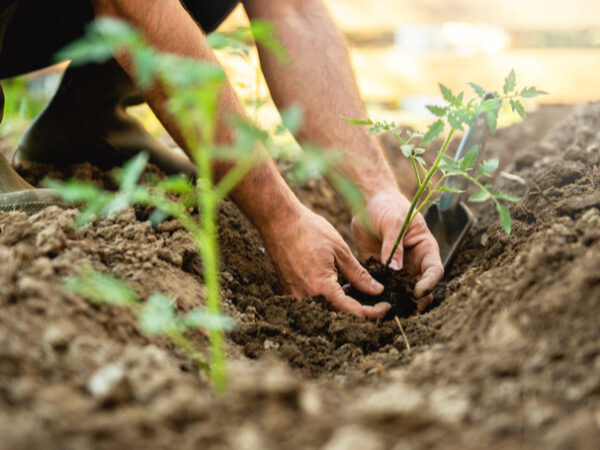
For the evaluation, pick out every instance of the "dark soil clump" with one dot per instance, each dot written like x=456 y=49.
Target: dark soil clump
x=398 y=292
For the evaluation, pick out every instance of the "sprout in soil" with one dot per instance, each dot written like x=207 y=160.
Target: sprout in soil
x=456 y=114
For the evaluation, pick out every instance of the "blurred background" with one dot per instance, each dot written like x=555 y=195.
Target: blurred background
x=402 y=49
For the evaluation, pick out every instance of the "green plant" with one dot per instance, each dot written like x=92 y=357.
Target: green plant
x=193 y=86
x=457 y=114
x=155 y=316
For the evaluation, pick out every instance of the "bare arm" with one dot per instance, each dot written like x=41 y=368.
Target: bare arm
x=306 y=249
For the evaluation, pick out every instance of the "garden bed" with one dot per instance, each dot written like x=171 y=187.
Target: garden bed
x=508 y=355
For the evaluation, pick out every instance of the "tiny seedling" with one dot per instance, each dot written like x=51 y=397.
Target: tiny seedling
x=456 y=114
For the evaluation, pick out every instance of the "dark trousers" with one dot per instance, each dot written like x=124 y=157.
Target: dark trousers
x=32 y=31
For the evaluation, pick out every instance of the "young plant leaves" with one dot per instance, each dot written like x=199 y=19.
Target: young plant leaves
x=505 y=219
x=480 y=196
x=517 y=106
x=509 y=82
x=532 y=91
x=437 y=110
x=502 y=195
x=470 y=158
x=434 y=130
x=488 y=166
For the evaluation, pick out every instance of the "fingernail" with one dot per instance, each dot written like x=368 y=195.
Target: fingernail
x=376 y=286
x=394 y=265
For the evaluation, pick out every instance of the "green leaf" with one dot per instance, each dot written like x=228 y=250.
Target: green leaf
x=532 y=91
x=517 y=106
x=434 y=130
x=509 y=82
x=292 y=118
x=478 y=89
x=131 y=172
x=451 y=190
x=421 y=161
x=488 y=166
x=455 y=121
x=75 y=191
x=513 y=177
x=470 y=158
x=450 y=167
x=491 y=108
x=437 y=110
x=201 y=318
x=480 y=196
x=447 y=94
x=505 y=219
x=418 y=151
x=358 y=121
x=101 y=288
x=407 y=149
x=157 y=316
x=502 y=195
x=175 y=184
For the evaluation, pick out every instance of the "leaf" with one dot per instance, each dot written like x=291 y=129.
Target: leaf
x=488 y=166
x=201 y=318
x=480 y=196
x=407 y=149
x=437 y=110
x=421 y=161
x=513 y=177
x=434 y=130
x=131 y=172
x=101 y=288
x=502 y=195
x=75 y=191
x=292 y=118
x=157 y=316
x=517 y=106
x=491 y=108
x=505 y=219
x=447 y=94
x=358 y=121
x=455 y=121
x=450 y=167
x=175 y=185
x=470 y=158
x=509 y=82
x=478 y=89
x=451 y=190
x=532 y=91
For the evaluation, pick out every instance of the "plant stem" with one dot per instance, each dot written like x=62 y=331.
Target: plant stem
x=409 y=216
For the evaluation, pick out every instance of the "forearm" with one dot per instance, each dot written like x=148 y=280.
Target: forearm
x=169 y=28
x=320 y=79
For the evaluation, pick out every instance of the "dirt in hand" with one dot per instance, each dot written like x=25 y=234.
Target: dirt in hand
x=399 y=290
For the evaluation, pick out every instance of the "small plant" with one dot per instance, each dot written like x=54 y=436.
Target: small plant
x=155 y=316
x=457 y=114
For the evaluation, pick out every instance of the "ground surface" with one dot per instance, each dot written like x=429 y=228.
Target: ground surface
x=508 y=357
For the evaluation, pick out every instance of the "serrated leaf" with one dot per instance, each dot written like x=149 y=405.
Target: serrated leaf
x=478 y=90
x=502 y=195
x=517 y=106
x=509 y=82
x=470 y=158
x=437 y=110
x=459 y=99
x=101 y=288
x=201 y=318
x=447 y=94
x=358 y=121
x=157 y=316
x=505 y=218
x=433 y=132
x=451 y=190
x=532 y=91
x=455 y=122
x=513 y=177
x=407 y=149
x=421 y=161
x=488 y=166
x=480 y=196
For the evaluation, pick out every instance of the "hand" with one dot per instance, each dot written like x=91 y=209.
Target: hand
x=418 y=252
x=308 y=252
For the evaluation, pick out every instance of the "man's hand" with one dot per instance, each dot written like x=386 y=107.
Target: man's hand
x=418 y=252
x=308 y=253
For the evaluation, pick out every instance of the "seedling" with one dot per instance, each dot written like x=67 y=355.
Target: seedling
x=155 y=316
x=457 y=115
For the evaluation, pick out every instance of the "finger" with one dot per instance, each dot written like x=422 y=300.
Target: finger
x=367 y=246
x=356 y=274
x=335 y=295
x=386 y=250
x=424 y=302
x=432 y=270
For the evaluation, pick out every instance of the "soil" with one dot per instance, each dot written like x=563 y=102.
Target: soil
x=507 y=356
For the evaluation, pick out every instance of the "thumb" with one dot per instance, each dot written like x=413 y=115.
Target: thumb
x=386 y=250
x=356 y=274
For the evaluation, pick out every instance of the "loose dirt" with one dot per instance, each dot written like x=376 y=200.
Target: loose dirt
x=507 y=356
